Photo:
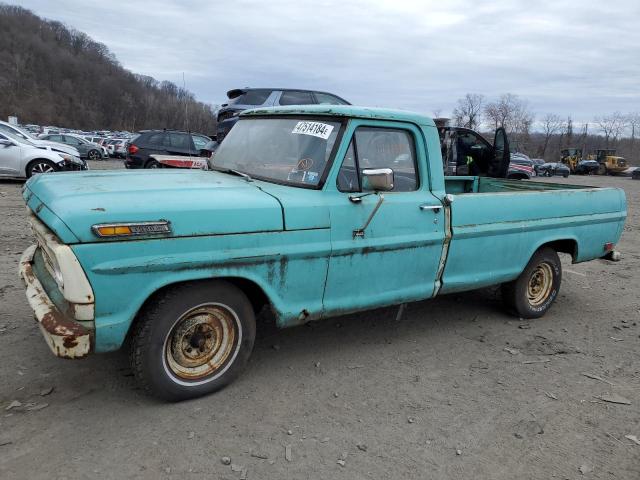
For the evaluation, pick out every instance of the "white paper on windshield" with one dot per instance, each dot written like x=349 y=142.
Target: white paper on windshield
x=316 y=129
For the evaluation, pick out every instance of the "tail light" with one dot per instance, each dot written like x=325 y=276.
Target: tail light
x=133 y=149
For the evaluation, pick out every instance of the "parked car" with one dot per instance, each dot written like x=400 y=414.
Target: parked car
x=292 y=217
x=21 y=158
x=162 y=142
x=587 y=167
x=120 y=148
x=56 y=146
x=536 y=163
x=521 y=167
x=87 y=149
x=551 y=169
x=94 y=139
x=241 y=99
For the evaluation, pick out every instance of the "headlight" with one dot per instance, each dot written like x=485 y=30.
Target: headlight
x=52 y=265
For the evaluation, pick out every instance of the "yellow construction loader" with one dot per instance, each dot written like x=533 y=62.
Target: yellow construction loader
x=570 y=157
x=610 y=163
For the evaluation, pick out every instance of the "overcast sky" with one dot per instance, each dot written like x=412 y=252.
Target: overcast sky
x=566 y=57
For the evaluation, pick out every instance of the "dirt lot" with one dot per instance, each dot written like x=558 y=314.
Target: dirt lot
x=455 y=389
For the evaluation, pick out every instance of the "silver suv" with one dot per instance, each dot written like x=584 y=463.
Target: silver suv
x=241 y=99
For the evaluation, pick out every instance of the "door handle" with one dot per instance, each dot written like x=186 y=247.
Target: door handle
x=435 y=208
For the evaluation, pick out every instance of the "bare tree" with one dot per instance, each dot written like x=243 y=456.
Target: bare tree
x=551 y=125
x=510 y=113
x=611 y=126
x=633 y=120
x=569 y=130
x=467 y=113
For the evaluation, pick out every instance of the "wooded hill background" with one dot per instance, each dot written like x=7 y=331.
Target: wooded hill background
x=51 y=74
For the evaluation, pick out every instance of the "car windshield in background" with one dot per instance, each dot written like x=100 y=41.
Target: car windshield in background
x=12 y=135
x=291 y=151
x=251 y=97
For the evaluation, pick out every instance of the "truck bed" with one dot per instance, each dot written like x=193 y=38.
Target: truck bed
x=496 y=225
x=471 y=184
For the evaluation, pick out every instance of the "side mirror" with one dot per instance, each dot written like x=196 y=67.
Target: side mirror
x=377 y=179
x=6 y=143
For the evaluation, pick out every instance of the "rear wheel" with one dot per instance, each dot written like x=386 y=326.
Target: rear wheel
x=602 y=169
x=193 y=340
x=535 y=290
x=39 y=166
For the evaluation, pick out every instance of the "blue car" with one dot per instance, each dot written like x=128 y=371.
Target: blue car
x=241 y=99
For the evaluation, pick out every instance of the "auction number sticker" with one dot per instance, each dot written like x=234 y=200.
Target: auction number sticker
x=316 y=129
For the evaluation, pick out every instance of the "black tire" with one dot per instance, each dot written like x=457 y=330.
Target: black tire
x=525 y=296
x=192 y=340
x=152 y=164
x=602 y=169
x=565 y=175
x=93 y=155
x=40 y=165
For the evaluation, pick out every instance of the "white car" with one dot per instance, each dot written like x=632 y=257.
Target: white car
x=21 y=133
x=120 y=148
x=20 y=158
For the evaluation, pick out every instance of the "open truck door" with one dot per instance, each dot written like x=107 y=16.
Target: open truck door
x=499 y=165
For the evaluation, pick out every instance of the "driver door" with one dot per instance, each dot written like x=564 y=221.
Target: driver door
x=397 y=256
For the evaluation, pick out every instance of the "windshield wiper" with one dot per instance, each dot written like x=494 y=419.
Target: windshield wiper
x=235 y=172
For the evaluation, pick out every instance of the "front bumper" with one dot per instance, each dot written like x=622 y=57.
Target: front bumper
x=66 y=337
x=68 y=166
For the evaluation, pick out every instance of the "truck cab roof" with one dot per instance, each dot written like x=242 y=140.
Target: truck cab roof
x=351 y=111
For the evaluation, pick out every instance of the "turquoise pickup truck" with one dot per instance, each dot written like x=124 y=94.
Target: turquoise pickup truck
x=311 y=211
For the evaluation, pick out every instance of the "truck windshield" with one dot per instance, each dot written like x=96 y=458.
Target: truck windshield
x=293 y=151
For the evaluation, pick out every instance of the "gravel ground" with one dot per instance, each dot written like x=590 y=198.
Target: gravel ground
x=455 y=389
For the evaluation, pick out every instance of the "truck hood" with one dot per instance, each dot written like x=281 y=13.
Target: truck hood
x=195 y=202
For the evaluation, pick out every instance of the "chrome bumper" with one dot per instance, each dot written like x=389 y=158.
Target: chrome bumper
x=66 y=337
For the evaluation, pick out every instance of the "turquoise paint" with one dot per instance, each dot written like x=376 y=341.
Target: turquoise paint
x=297 y=244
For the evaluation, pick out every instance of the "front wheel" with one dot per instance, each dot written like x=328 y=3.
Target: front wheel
x=602 y=169
x=192 y=340
x=93 y=155
x=535 y=290
x=37 y=167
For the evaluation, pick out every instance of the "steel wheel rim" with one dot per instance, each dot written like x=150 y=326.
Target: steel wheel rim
x=202 y=344
x=41 y=168
x=540 y=284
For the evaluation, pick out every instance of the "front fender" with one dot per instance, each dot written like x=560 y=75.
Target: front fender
x=290 y=267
